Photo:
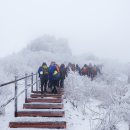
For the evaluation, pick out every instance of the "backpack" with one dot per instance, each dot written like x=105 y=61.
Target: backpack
x=84 y=70
x=57 y=68
x=45 y=70
x=56 y=75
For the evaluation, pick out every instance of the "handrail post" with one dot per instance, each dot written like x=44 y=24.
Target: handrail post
x=36 y=83
x=26 y=88
x=16 y=98
x=32 y=83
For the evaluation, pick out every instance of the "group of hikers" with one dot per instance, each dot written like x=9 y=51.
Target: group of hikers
x=89 y=70
x=54 y=75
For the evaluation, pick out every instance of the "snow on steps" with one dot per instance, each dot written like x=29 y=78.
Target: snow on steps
x=49 y=115
x=43 y=110
x=38 y=122
x=37 y=119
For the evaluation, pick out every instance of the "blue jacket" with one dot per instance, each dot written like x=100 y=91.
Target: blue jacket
x=51 y=73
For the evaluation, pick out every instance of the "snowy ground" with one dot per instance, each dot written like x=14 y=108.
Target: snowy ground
x=74 y=116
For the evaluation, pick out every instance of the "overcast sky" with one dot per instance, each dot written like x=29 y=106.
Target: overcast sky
x=100 y=27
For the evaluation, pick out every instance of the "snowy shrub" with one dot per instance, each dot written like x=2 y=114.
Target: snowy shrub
x=110 y=89
x=75 y=88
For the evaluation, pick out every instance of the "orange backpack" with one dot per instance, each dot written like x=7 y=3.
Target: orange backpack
x=57 y=68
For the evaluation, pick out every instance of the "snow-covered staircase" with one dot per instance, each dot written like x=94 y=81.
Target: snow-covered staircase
x=41 y=111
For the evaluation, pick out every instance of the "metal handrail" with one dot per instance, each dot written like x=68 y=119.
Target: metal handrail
x=11 y=99
x=11 y=82
x=16 y=95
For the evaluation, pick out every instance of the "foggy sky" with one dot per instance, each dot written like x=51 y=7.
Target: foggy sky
x=99 y=27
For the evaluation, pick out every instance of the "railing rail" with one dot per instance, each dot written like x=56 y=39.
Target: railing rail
x=11 y=82
x=11 y=99
x=16 y=95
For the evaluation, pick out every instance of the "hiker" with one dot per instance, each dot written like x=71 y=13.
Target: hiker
x=90 y=71
x=43 y=74
x=78 y=69
x=54 y=76
x=84 y=70
x=94 y=71
x=62 y=75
